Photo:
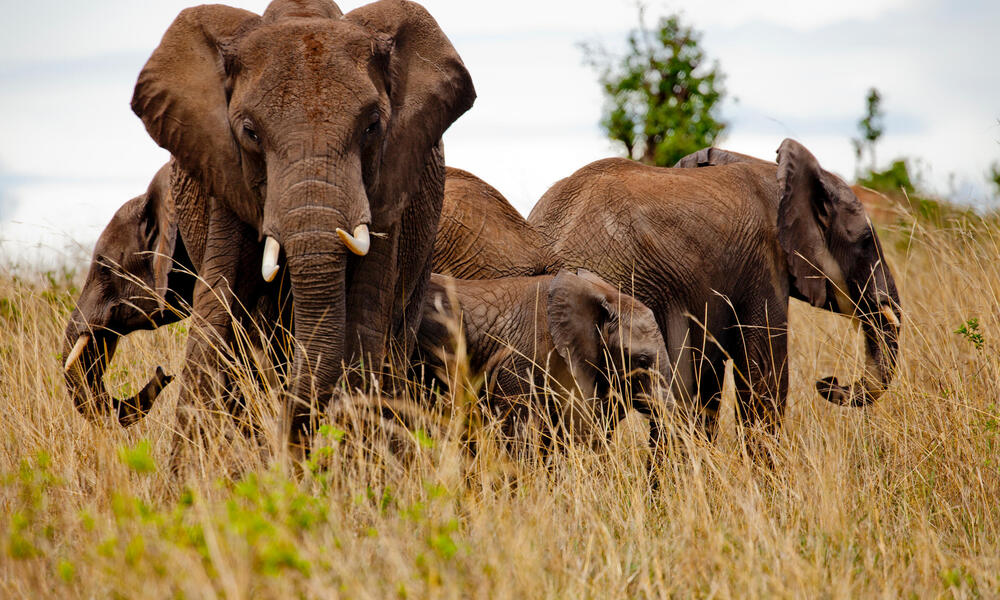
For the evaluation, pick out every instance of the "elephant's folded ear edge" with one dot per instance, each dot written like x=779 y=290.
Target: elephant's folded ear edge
x=572 y=313
x=799 y=232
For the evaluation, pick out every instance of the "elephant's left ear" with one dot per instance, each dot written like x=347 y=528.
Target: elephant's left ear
x=817 y=216
x=160 y=228
x=428 y=84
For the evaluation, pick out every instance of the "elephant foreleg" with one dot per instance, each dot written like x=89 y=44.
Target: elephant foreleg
x=212 y=342
x=760 y=372
x=711 y=378
x=683 y=385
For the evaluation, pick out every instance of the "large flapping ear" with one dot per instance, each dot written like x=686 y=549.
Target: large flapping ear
x=576 y=312
x=428 y=85
x=816 y=210
x=714 y=157
x=160 y=223
x=181 y=96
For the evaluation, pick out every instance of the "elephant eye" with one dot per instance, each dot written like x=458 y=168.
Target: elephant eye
x=250 y=131
x=373 y=125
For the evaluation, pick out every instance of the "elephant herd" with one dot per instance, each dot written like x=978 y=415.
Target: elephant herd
x=307 y=194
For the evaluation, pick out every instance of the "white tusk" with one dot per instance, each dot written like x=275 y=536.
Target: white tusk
x=269 y=266
x=357 y=243
x=74 y=354
x=890 y=316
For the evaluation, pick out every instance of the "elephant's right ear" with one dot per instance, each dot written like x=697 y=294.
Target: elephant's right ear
x=817 y=212
x=181 y=96
x=576 y=311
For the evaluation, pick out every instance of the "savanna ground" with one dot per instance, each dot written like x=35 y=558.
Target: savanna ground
x=896 y=500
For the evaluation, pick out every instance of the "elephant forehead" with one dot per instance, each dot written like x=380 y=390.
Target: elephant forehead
x=310 y=55
x=638 y=322
x=639 y=330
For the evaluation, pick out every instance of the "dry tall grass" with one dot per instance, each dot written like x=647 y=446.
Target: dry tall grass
x=900 y=499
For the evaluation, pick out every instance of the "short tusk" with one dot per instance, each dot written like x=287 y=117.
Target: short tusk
x=890 y=316
x=74 y=354
x=357 y=243
x=269 y=266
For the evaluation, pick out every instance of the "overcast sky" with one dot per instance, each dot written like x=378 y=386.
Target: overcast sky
x=71 y=151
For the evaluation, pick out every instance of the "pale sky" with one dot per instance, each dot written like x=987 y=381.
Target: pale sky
x=71 y=151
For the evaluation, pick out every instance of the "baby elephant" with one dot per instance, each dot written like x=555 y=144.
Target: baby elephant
x=139 y=274
x=572 y=334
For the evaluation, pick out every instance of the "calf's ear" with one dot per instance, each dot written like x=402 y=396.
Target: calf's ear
x=577 y=310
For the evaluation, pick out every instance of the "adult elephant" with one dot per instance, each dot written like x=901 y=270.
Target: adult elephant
x=308 y=130
x=482 y=236
x=716 y=252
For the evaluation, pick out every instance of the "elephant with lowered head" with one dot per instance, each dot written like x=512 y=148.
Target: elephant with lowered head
x=717 y=251
x=571 y=333
x=140 y=278
x=317 y=136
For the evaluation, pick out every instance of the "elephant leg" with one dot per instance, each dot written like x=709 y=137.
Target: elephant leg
x=212 y=340
x=676 y=333
x=369 y=308
x=760 y=371
x=711 y=375
x=415 y=257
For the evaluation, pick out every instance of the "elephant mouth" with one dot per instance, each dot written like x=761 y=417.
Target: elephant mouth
x=84 y=368
x=358 y=243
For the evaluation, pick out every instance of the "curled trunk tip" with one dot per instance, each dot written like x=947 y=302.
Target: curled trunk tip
x=857 y=395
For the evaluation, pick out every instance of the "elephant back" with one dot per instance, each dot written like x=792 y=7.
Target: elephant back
x=482 y=236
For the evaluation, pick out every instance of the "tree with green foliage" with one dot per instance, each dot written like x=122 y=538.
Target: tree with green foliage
x=891 y=181
x=993 y=175
x=871 y=126
x=662 y=96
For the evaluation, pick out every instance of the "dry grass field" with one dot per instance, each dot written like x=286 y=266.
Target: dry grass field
x=901 y=499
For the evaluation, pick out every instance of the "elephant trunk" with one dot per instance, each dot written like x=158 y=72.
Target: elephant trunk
x=87 y=352
x=881 y=333
x=317 y=262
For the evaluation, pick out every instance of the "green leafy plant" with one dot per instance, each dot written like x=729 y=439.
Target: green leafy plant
x=970 y=331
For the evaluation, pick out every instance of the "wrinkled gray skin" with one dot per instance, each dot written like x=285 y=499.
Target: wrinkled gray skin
x=571 y=333
x=297 y=123
x=482 y=236
x=716 y=252
x=139 y=278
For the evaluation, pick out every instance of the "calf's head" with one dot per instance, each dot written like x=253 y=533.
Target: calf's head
x=605 y=335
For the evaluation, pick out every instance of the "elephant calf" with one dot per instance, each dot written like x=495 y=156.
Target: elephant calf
x=140 y=271
x=570 y=333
